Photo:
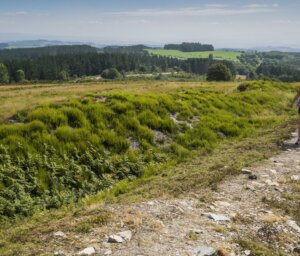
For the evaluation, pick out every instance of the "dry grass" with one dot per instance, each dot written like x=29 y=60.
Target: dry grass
x=14 y=98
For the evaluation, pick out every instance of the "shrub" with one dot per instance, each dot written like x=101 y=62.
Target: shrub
x=218 y=72
x=111 y=73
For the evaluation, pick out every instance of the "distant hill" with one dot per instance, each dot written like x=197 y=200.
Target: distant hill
x=36 y=43
x=33 y=53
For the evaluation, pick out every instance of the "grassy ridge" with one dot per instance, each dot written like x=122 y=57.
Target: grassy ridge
x=59 y=152
x=218 y=55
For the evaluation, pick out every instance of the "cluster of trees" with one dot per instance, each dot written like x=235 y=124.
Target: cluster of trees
x=62 y=67
x=34 y=53
x=189 y=47
x=270 y=65
x=125 y=49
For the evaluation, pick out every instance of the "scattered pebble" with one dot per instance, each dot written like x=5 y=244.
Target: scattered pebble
x=247 y=252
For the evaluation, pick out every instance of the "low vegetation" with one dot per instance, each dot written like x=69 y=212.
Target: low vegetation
x=57 y=153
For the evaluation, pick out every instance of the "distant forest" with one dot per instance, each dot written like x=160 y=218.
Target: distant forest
x=34 y=53
x=67 y=62
x=190 y=47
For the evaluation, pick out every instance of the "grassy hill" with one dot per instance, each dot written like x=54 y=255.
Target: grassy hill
x=218 y=55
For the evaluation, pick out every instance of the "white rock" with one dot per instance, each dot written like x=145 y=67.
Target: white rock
x=59 y=254
x=247 y=252
x=272 y=183
x=295 y=178
x=108 y=252
x=273 y=171
x=246 y=171
x=87 y=251
x=222 y=203
x=126 y=235
x=115 y=239
x=59 y=234
x=206 y=251
x=218 y=217
x=293 y=225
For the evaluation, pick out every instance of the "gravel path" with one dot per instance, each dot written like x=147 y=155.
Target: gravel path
x=190 y=225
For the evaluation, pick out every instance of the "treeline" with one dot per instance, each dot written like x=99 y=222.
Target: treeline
x=34 y=53
x=189 y=47
x=62 y=67
x=125 y=49
x=270 y=65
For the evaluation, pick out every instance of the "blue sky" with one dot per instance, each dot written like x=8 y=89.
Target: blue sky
x=243 y=23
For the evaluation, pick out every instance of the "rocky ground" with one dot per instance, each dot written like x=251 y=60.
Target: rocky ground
x=254 y=212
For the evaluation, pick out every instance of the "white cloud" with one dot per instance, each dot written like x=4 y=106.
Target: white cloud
x=194 y=11
x=19 y=13
x=216 y=5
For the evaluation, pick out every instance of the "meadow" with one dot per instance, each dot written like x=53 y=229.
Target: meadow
x=218 y=55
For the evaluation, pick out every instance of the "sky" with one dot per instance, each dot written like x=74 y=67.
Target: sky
x=231 y=23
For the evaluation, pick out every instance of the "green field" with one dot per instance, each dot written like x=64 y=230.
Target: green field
x=218 y=55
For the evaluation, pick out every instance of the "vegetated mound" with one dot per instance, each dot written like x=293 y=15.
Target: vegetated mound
x=58 y=153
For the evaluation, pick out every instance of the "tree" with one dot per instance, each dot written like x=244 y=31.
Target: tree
x=218 y=72
x=4 y=76
x=111 y=73
x=20 y=76
x=63 y=75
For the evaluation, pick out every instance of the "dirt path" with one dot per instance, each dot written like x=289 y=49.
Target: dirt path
x=255 y=211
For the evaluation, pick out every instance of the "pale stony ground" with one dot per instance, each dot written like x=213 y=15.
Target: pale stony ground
x=181 y=226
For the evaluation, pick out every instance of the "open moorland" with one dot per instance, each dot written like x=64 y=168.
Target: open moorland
x=69 y=151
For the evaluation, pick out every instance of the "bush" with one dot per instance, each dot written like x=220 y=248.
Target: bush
x=219 y=72
x=20 y=76
x=4 y=76
x=111 y=73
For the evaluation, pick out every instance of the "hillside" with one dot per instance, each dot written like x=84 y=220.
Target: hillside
x=133 y=138
x=218 y=55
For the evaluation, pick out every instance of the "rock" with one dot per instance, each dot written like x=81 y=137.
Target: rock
x=108 y=252
x=246 y=171
x=273 y=171
x=293 y=225
x=115 y=239
x=247 y=252
x=206 y=251
x=297 y=250
x=295 y=178
x=59 y=234
x=126 y=235
x=252 y=177
x=87 y=251
x=59 y=254
x=222 y=203
x=218 y=217
x=272 y=183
